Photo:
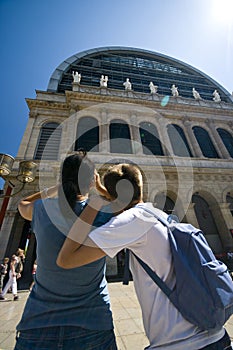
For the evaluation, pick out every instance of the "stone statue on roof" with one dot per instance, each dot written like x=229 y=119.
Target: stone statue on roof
x=77 y=77
x=153 y=88
x=175 y=92
x=127 y=84
x=216 y=97
x=104 y=81
x=196 y=94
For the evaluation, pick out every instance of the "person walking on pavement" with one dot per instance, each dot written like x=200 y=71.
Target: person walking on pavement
x=12 y=281
x=3 y=272
x=67 y=308
x=33 y=275
x=147 y=238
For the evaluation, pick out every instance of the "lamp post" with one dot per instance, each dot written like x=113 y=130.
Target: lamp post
x=26 y=172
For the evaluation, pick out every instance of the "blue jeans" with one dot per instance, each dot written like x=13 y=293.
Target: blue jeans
x=65 y=338
x=223 y=344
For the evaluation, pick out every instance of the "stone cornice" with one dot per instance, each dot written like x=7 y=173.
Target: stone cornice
x=176 y=107
x=46 y=104
x=152 y=101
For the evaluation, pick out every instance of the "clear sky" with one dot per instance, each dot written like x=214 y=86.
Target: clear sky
x=37 y=35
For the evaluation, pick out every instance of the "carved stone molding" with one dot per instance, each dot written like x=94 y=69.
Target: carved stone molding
x=45 y=104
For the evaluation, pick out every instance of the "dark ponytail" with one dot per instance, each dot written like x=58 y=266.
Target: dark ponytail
x=76 y=176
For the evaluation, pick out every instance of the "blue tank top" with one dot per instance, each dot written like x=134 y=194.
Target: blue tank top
x=63 y=297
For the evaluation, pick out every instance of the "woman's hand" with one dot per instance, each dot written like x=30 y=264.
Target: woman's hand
x=101 y=188
x=26 y=205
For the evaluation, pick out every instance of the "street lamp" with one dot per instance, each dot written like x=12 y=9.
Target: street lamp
x=26 y=172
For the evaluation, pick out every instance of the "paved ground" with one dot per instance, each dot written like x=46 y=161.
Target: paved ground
x=126 y=314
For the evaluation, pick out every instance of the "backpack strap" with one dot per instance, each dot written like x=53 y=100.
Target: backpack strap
x=163 y=221
x=153 y=275
x=126 y=268
x=126 y=275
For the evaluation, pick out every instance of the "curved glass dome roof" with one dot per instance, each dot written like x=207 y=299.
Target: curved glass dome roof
x=140 y=66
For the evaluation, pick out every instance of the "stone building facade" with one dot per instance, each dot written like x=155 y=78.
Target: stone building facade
x=173 y=121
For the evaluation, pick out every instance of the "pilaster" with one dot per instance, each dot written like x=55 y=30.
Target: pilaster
x=104 y=145
x=165 y=141
x=192 y=141
x=135 y=135
x=220 y=147
x=224 y=222
x=191 y=215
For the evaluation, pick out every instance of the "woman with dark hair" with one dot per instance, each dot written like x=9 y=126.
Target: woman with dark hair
x=67 y=308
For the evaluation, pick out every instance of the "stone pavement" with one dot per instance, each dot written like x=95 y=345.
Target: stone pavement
x=126 y=314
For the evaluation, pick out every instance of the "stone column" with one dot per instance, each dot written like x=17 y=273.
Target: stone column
x=224 y=222
x=135 y=135
x=191 y=215
x=68 y=135
x=220 y=147
x=6 y=230
x=104 y=144
x=165 y=141
x=23 y=149
x=192 y=141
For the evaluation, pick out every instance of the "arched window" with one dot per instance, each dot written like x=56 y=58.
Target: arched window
x=207 y=223
x=150 y=139
x=87 y=134
x=205 y=143
x=227 y=139
x=164 y=203
x=178 y=141
x=204 y=215
x=49 y=142
x=120 y=141
x=229 y=200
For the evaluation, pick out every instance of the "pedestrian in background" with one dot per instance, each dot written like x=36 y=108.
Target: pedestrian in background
x=12 y=281
x=3 y=271
x=34 y=268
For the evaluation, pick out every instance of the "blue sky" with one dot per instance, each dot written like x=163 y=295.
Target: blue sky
x=37 y=35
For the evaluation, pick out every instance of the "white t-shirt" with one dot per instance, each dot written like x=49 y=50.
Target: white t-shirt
x=143 y=234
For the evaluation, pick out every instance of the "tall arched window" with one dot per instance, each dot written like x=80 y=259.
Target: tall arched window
x=87 y=134
x=229 y=200
x=207 y=223
x=150 y=139
x=120 y=141
x=178 y=141
x=164 y=203
x=49 y=142
x=205 y=143
x=227 y=139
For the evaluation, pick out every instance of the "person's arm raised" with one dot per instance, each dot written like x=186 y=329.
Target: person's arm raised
x=101 y=188
x=26 y=204
x=78 y=249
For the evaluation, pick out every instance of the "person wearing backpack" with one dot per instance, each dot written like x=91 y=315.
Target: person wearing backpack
x=147 y=238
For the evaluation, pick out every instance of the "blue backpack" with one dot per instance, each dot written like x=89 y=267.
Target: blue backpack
x=203 y=293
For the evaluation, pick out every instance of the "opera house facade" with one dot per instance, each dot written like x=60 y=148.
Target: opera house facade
x=132 y=105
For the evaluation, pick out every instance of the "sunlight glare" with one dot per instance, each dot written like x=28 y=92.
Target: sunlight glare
x=223 y=10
